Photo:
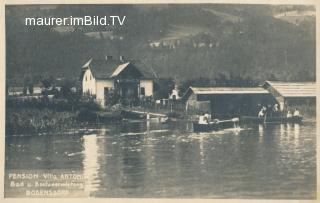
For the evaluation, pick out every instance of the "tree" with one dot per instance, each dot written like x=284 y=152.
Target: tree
x=46 y=83
x=163 y=87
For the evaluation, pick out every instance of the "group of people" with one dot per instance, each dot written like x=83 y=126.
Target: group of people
x=295 y=113
x=269 y=110
x=274 y=111
x=265 y=111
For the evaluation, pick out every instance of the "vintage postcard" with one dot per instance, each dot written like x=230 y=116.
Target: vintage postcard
x=162 y=100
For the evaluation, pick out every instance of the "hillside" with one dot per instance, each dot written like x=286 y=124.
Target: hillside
x=179 y=41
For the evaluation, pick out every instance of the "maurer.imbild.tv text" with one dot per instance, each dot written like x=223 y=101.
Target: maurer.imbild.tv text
x=85 y=20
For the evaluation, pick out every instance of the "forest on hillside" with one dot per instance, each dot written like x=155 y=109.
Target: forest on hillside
x=184 y=42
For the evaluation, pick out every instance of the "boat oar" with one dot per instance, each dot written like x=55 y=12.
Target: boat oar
x=231 y=120
x=234 y=120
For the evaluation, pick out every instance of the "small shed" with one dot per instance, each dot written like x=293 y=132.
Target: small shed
x=226 y=101
x=175 y=94
x=292 y=94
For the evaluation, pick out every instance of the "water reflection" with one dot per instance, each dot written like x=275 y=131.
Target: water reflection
x=289 y=128
x=282 y=130
x=261 y=131
x=201 y=150
x=90 y=163
x=296 y=133
x=296 y=130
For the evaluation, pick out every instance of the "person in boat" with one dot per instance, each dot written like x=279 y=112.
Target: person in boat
x=203 y=120
x=269 y=110
x=261 y=113
x=258 y=108
x=207 y=117
x=275 y=110
x=296 y=113
x=289 y=114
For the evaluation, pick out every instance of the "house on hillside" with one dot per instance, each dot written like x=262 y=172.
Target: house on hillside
x=26 y=91
x=226 y=101
x=16 y=91
x=116 y=80
x=290 y=94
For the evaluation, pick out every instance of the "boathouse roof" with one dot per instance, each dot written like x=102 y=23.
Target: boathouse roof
x=229 y=90
x=293 y=89
x=223 y=90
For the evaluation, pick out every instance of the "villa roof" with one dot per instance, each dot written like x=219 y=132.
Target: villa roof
x=110 y=68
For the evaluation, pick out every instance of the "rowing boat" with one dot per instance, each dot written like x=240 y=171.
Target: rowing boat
x=215 y=125
x=253 y=119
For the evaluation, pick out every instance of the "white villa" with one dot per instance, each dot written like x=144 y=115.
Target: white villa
x=104 y=76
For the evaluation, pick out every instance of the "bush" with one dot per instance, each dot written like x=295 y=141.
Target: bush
x=31 y=120
x=53 y=104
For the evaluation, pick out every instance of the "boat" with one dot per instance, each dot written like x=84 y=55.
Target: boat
x=254 y=119
x=215 y=125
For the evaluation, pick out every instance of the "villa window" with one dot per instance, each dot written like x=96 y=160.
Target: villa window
x=142 y=91
x=105 y=92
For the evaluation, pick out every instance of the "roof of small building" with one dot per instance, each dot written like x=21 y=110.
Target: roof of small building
x=107 y=68
x=224 y=90
x=294 y=89
x=229 y=90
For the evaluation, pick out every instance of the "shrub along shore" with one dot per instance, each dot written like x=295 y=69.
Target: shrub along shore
x=35 y=116
x=31 y=120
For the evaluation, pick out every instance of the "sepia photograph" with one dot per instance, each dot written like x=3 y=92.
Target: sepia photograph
x=201 y=101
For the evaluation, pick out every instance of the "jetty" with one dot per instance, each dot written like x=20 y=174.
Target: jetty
x=141 y=114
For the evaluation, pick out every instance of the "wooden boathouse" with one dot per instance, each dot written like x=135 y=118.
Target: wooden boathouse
x=292 y=94
x=231 y=101
x=226 y=101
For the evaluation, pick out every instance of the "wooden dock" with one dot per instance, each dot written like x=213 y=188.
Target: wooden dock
x=142 y=114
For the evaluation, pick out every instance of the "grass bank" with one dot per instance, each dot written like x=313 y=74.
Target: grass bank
x=34 y=116
x=32 y=120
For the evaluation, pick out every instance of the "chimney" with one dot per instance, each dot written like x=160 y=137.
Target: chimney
x=121 y=58
x=108 y=57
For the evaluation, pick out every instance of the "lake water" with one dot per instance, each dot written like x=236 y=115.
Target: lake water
x=167 y=160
